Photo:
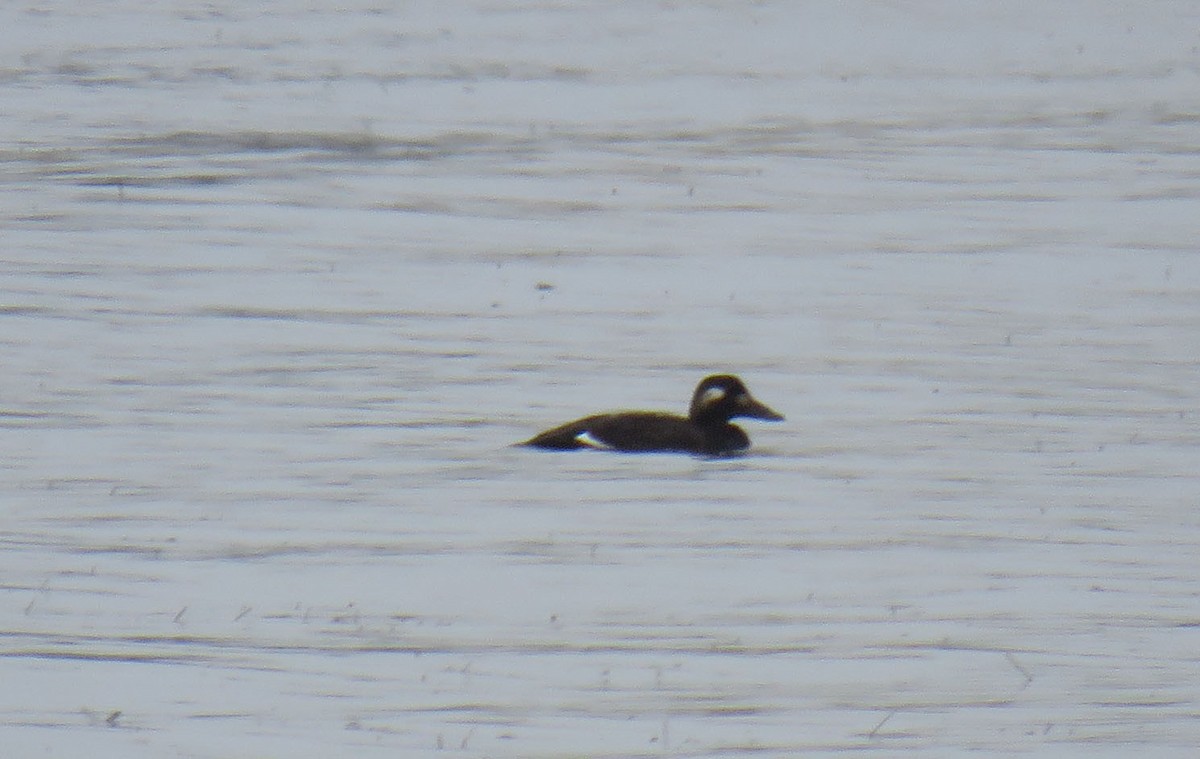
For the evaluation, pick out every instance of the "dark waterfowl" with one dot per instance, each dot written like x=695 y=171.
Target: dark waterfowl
x=705 y=430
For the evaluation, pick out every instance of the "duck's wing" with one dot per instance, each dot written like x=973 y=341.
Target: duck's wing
x=634 y=431
x=570 y=436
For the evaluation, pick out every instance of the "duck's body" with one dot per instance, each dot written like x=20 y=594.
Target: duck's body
x=705 y=430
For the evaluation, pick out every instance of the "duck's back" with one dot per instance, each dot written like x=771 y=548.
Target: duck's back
x=642 y=431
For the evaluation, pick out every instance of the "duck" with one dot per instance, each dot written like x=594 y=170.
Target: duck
x=705 y=431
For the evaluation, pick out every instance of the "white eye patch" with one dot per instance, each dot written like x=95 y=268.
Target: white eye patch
x=712 y=395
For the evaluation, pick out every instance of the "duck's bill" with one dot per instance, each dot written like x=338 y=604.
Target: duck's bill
x=752 y=409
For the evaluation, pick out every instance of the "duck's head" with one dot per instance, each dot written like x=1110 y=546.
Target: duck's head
x=722 y=397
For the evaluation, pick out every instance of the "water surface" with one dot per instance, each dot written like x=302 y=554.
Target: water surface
x=282 y=285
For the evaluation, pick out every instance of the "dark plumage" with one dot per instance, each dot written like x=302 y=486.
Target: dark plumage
x=705 y=430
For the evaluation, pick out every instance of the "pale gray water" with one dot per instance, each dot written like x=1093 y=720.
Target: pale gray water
x=281 y=285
